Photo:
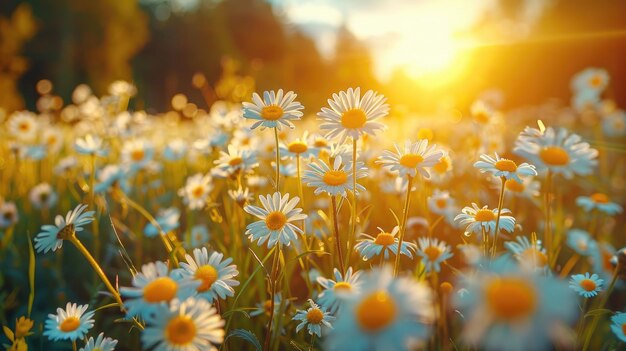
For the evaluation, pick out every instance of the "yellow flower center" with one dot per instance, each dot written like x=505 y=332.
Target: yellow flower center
x=180 y=330
x=554 y=156
x=319 y=142
x=353 y=119
x=208 y=275
x=335 y=178
x=376 y=312
x=442 y=166
x=599 y=198
x=275 y=220
x=267 y=306
x=432 y=252
x=24 y=127
x=314 y=316
x=51 y=140
x=506 y=165
x=510 y=298
x=297 y=147
x=481 y=116
x=411 y=160
x=69 y=324
x=271 y=112
x=588 y=284
x=160 y=289
x=235 y=161
x=384 y=239
x=441 y=203
x=197 y=191
x=514 y=186
x=531 y=254
x=484 y=215
x=595 y=81
x=344 y=286
x=137 y=155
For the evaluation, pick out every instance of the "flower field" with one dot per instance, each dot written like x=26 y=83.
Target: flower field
x=265 y=225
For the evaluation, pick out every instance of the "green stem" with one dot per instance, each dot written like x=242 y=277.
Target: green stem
x=596 y=318
x=548 y=224
x=336 y=232
x=494 y=247
x=405 y=216
x=353 y=218
x=94 y=264
x=277 y=159
x=273 y=284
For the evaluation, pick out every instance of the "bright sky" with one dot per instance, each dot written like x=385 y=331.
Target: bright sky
x=422 y=36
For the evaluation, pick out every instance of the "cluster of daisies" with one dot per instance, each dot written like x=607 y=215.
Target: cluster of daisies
x=327 y=239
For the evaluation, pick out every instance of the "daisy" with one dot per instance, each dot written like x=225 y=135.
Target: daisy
x=8 y=214
x=481 y=112
x=557 y=151
x=90 y=145
x=350 y=115
x=236 y=160
x=433 y=253
x=264 y=308
x=387 y=314
x=618 y=325
x=196 y=191
x=314 y=319
x=502 y=167
x=591 y=79
x=585 y=285
x=70 y=324
x=65 y=165
x=155 y=286
x=528 y=188
x=337 y=291
x=316 y=225
x=506 y=308
x=333 y=181
x=442 y=204
x=442 y=170
x=241 y=196
x=476 y=219
x=300 y=147
x=175 y=150
x=187 y=325
x=99 y=344
x=580 y=241
x=530 y=255
x=52 y=138
x=600 y=202
x=111 y=176
x=383 y=243
x=600 y=256
x=168 y=220
x=275 y=220
x=137 y=153
x=274 y=110
x=199 y=235
x=23 y=126
x=216 y=276
x=42 y=196
x=614 y=125
x=415 y=157
x=51 y=237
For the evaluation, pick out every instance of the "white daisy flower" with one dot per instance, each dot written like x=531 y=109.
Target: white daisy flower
x=335 y=180
x=190 y=325
x=276 y=216
x=302 y=147
x=337 y=291
x=556 y=150
x=415 y=157
x=196 y=191
x=52 y=138
x=591 y=79
x=528 y=254
x=442 y=204
x=23 y=126
x=137 y=152
x=586 y=285
x=51 y=237
x=70 y=324
x=241 y=196
x=90 y=145
x=314 y=319
x=99 y=344
x=502 y=167
x=529 y=187
x=8 y=214
x=236 y=160
x=600 y=202
x=433 y=252
x=384 y=243
x=175 y=150
x=42 y=196
x=350 y=115
x=475 y=219
x=216 y=276
x=155 y=286
x=274 y=110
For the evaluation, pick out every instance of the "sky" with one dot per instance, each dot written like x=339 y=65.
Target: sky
x=420 y=36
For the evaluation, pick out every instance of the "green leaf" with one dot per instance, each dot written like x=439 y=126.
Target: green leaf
x=9 y=333
x=247 y=336
x=31 y=274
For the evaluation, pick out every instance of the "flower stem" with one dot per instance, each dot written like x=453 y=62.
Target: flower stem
x=494 y=247
x=273 y=283
x=353 y=218
x=277 y=159
x=405 y=216
x=336 y=232
x=548 y=224
x=83 y=250
x=596 y=319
